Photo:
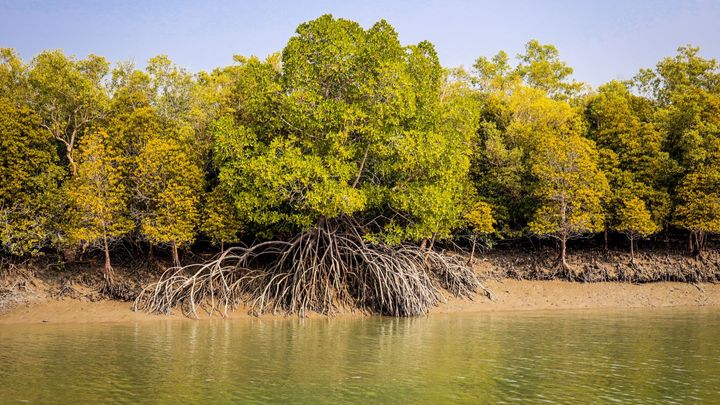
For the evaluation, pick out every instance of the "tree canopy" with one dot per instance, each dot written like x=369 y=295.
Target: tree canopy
x=348 y=126
x=354 y=123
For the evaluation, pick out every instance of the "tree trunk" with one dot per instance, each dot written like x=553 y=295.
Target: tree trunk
x=472 y=252
x=563 y=237
x=423 y=244
x=691 y=250
x=71 y=160
x=632 y=249
x=699 y=243
x=430 y=247
x=107 y=270
x=696 y=243
x=222 y=245
x=175 y=255
x=605 y=238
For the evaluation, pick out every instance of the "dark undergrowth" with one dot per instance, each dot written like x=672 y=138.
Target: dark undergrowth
x=598 y=265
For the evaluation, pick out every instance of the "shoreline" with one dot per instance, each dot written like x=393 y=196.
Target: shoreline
x=511 y=296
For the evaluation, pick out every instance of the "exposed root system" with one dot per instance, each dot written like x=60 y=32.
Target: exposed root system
x=121 y=291
x=323 y=270
x=14 y=289
x=611 y=266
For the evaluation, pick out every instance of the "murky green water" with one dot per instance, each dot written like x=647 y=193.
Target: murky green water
x=639 y=356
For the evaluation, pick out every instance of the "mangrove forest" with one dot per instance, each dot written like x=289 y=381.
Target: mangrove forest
x=348 y=170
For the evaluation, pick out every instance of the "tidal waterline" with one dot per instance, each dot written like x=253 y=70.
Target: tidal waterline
x=630 y=356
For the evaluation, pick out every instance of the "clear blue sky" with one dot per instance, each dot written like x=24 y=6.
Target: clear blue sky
x=602 y=40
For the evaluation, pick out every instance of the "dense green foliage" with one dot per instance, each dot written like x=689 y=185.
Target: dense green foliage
x=347 y=124
x=98 y=200
x=30 y=195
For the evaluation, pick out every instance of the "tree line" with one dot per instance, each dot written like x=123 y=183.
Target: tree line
x=347 y=124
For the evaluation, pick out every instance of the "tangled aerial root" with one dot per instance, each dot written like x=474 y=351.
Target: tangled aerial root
x=323 y=270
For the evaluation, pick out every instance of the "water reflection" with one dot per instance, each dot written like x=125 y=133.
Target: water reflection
x=662 y=356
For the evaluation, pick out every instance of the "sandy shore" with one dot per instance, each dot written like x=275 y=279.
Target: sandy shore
x=511 y=295
x=514 y=295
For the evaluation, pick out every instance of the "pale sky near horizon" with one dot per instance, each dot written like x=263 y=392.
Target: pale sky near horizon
x=601 y=40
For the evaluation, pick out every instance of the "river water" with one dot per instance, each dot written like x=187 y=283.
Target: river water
x=630 y=356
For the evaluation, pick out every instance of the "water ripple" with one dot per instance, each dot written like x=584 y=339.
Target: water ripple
x=643 y=357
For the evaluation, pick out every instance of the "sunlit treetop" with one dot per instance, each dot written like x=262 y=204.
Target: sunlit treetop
x=539 y=66
x=353 y=121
